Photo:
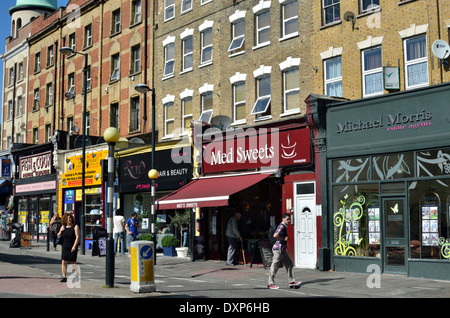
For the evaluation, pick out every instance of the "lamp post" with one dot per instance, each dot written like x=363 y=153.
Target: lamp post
x=152 y=174
x=111 y=136
x=65 y=50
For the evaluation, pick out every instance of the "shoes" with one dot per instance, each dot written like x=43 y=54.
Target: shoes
x=231 y=264
x=63 y=280
x=272 y=287
x=295 y=284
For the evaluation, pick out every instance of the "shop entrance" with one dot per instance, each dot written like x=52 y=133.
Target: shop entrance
x=395 y=250
x=305 y=225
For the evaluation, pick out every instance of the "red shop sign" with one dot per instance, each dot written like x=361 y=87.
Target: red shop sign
x=253 y=149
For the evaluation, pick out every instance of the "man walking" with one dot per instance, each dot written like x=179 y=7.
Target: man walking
x=280 y=254
x=233 y=236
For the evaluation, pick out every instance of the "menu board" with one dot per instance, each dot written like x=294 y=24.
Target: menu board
x=430 y=225
x=374 y=225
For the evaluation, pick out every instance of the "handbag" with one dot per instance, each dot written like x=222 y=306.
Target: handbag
x=59 y=240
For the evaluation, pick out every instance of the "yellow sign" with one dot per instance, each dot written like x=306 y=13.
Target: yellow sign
x=74 y=168
x=25 y=240
x=44 y=217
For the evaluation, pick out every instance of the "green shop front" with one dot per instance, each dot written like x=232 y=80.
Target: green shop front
x=388 y=184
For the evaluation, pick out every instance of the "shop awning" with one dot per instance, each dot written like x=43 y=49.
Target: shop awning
x=209 y=191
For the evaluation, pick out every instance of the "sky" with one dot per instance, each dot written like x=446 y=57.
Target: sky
x=5 y=27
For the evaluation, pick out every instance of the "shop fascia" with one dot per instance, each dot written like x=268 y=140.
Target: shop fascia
x=252 y=148
x=391 y=122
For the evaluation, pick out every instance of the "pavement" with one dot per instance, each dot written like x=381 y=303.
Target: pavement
x=21 y=276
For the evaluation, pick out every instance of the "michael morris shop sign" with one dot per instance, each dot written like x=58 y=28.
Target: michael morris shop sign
x=251 y=149
x=391 y=122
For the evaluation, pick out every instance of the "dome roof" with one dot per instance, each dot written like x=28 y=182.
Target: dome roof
x=48 y=5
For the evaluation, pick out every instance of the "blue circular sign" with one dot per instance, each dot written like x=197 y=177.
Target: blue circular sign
x=146 y=252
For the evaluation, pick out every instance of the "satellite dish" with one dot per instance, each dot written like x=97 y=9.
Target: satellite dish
x=221 y=122
x=441 y=49
x=78 y=142
x=100 y=140
x=349 y=16
x=137 y=140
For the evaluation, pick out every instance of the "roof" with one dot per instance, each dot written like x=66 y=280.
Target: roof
x=50 y=5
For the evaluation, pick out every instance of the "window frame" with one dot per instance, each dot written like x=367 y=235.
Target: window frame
x=183 y=112
x=284 y=20
x=167 y=9
x=167 y=120
x=136 y=14
x=36 y=99
x=49 y=94
x=240 y=103
x=334 y=79
x=336 y=16
x=116 y=21
x=364 y=10
x=267 y=98
x=205 y=47
x=259 y=29
x=50 y=56
x=87 y=39
x=135 y=106
x=37 y=62
x=115 y=67
x=186 y=54
x=169 y=61
x=287 y=92
x=135 y=60
x=235 y=38
x=416 y=61
x=371 y=71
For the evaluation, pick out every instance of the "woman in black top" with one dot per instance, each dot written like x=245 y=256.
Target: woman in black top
x=70 y=235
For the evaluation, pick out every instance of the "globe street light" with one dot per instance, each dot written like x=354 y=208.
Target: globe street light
x=111 y=136
x=65 y=50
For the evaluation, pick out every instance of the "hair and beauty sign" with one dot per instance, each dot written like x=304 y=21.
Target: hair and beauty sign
x=252 y=148
x=396 y=122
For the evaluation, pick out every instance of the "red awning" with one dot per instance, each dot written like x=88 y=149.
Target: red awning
x=208 y=191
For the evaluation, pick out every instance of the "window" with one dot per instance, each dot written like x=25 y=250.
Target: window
x=10 y=110
x=70 y=124
x=169 y=121
x=134 y=114
x=20 y=72
x=50 y=56
x=187 y=53
x=263 y=97
x=87 y=36
x=48 y=132
x=169 y=59
x=11 y=76
x=186 y=5
x=72 y=41
x=71 y=86
x=115 y=23
x=291 y=89
x=202 y=2
x=206 y=99
x=239 y=101
x=114 y=115
x=88 y=124
x=135 y=59
x=367 y=5
x=187 y=112
x=333 y=77
x=115 y=67
x=35 y=136
x=19 y=111
x=372 y=70
x=136 y=14
x=331 y=11
x=49 y=94
x=416 y=61
x=88 y=79
x=169 y=9
x=36 y=103
x=238 y=37
x=37 y=62
x=206 y=46
x=289 y=12
x=262 y=28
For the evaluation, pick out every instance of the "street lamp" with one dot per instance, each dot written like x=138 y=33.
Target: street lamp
x=152 y=174
x=111 y=136
x=65 y=50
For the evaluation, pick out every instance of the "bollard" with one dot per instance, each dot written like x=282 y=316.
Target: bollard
x=142 y=256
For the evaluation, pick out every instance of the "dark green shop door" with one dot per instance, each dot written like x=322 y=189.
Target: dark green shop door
x=395 y=247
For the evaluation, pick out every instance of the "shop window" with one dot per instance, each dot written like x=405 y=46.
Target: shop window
x=351 y=170
x=433 y=163
x=396 y=166
x=356 y=219
x=429 y=207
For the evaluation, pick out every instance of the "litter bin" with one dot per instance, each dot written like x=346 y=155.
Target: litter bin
x=99 y=236
x=17 y=229
x=142 y=255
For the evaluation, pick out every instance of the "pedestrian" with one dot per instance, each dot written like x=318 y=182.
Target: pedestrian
x=55 y=226
x=70 y=235
x=119 y=231
x=131 y=227
x=280 y=254
x=233 y=237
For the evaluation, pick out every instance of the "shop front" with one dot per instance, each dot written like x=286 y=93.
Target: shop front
x=34 y=189
x=173 y=162
x=70 y=189
x=252 y=170
x=389 y=183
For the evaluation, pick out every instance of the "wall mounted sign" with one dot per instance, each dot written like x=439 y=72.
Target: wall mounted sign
x=391 y=76
x=35 y=165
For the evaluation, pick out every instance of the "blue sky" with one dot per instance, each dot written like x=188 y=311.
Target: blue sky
x=5 y=27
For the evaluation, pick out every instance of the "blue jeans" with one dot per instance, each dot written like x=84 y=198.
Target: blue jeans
x=120 y=235
x=131 y=238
